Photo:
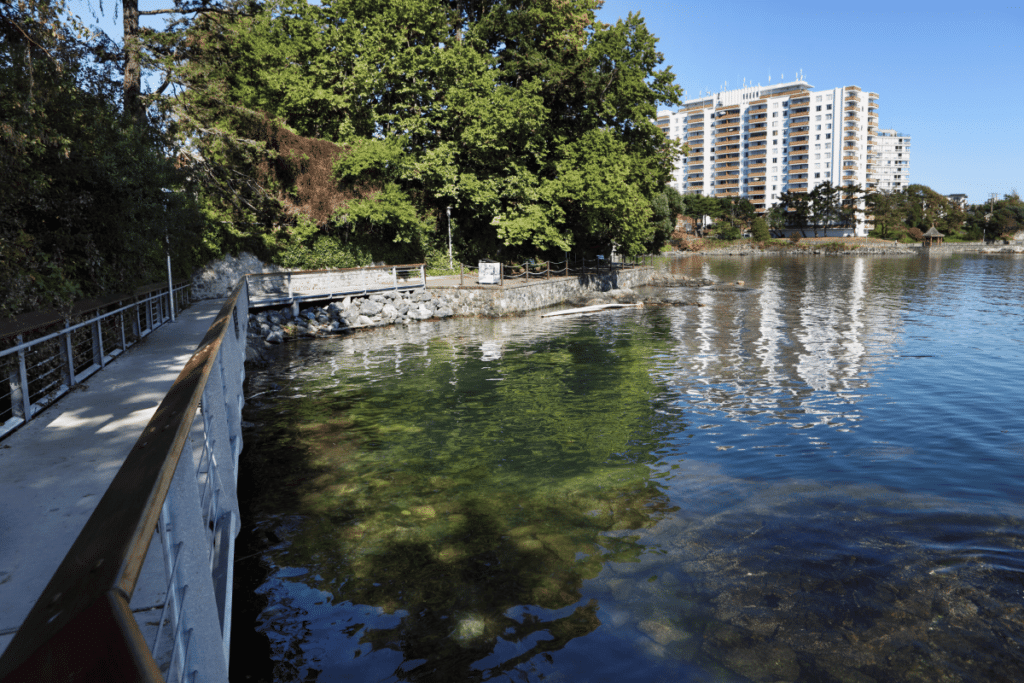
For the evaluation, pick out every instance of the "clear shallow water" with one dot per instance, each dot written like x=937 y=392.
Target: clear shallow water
x=817 y=476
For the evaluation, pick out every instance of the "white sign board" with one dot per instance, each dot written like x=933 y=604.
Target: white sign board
x=490 y=274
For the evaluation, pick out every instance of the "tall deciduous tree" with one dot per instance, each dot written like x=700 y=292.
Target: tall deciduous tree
x=532 y=121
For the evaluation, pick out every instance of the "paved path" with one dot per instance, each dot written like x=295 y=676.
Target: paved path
x=54 y=470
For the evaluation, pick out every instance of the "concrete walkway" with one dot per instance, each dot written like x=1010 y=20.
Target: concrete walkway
x=54 y=470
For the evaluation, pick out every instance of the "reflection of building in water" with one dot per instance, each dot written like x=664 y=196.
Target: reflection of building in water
x=802 y=342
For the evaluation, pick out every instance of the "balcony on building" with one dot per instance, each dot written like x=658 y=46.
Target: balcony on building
x=800 y=100
x=800 y=119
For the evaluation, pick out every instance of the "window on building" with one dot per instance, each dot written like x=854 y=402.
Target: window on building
x=774 y=187
x=774 y=178
x=775 y=114
x=828 y=117
x=818 y=98
x=818 y=117
x=818 y=127
x=817 y=175
x=828 y=135
x=828 y=97
x=775 y=160
x=818 y=136
x=817 y=166
x=818 y=108
x=775 y=142
x=785 y=104
x=828 y=106
x=817 y=156
x=828 y=126
x=828 y=173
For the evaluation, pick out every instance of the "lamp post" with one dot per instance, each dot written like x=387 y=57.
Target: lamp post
x=167 y=249
x=450 y=263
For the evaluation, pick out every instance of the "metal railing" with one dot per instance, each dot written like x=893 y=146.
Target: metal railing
x=276 y=289
x=575 y=266
x=177 y=485
x=37 y=371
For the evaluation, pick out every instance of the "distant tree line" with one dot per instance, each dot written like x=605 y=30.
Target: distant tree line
x=893 y=215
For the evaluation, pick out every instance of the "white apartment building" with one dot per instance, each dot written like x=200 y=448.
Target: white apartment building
x=889 y=161
x=758 y=142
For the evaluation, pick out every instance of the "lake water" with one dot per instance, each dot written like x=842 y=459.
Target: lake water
x=818 y=476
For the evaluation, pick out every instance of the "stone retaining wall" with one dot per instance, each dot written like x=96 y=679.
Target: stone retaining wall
x=395 y=307
x=496 y=302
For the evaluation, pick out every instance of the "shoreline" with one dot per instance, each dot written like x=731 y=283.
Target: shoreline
x=828 y=247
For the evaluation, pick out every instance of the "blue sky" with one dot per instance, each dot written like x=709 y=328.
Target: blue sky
x=949 y=74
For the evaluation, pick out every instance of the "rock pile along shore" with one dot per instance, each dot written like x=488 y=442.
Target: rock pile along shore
x=350 y=313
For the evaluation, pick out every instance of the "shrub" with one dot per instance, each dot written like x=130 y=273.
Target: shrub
x=794 y=239
x=916 y=233
x=728 y=231
x=759 y=230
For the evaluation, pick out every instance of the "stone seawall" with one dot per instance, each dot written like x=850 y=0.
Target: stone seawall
x=496 y=302
x=394 y=307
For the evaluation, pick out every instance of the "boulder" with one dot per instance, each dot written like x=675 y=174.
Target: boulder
x=389 y=312
x=275 y=337
x=370 y=307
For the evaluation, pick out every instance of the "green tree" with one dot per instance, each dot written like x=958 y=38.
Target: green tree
x=824 y=207
x=798 y=210
x=850 y=208
x=84 y=207
x=666 y=207
x=776 y=217
x=698 y=206
x=885 y=213
x=532 y=122
x=759 y=230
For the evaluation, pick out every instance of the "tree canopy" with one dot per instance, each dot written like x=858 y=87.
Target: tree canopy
x=89 y=197
x=532 y=121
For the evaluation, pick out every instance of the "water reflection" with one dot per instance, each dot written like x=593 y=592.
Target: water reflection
x=768 y=484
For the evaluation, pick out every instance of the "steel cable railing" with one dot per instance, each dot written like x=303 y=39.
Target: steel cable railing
x=75 y=350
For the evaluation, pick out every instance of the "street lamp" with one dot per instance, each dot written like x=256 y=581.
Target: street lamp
x=451 y=265
x=167 y=249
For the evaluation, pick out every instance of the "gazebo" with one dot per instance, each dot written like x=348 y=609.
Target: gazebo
x=931 y=237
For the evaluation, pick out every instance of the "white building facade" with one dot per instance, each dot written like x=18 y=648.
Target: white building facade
x=889 y=161
x=758 y=142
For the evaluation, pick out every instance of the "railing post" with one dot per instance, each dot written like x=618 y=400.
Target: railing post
x=149 y=314
x=21 y=404
x=423 y=274
x=462 y=274
x=394 y=276
x=97 y=344
x=501 y=274
x=120 y=317
x=69 y=352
